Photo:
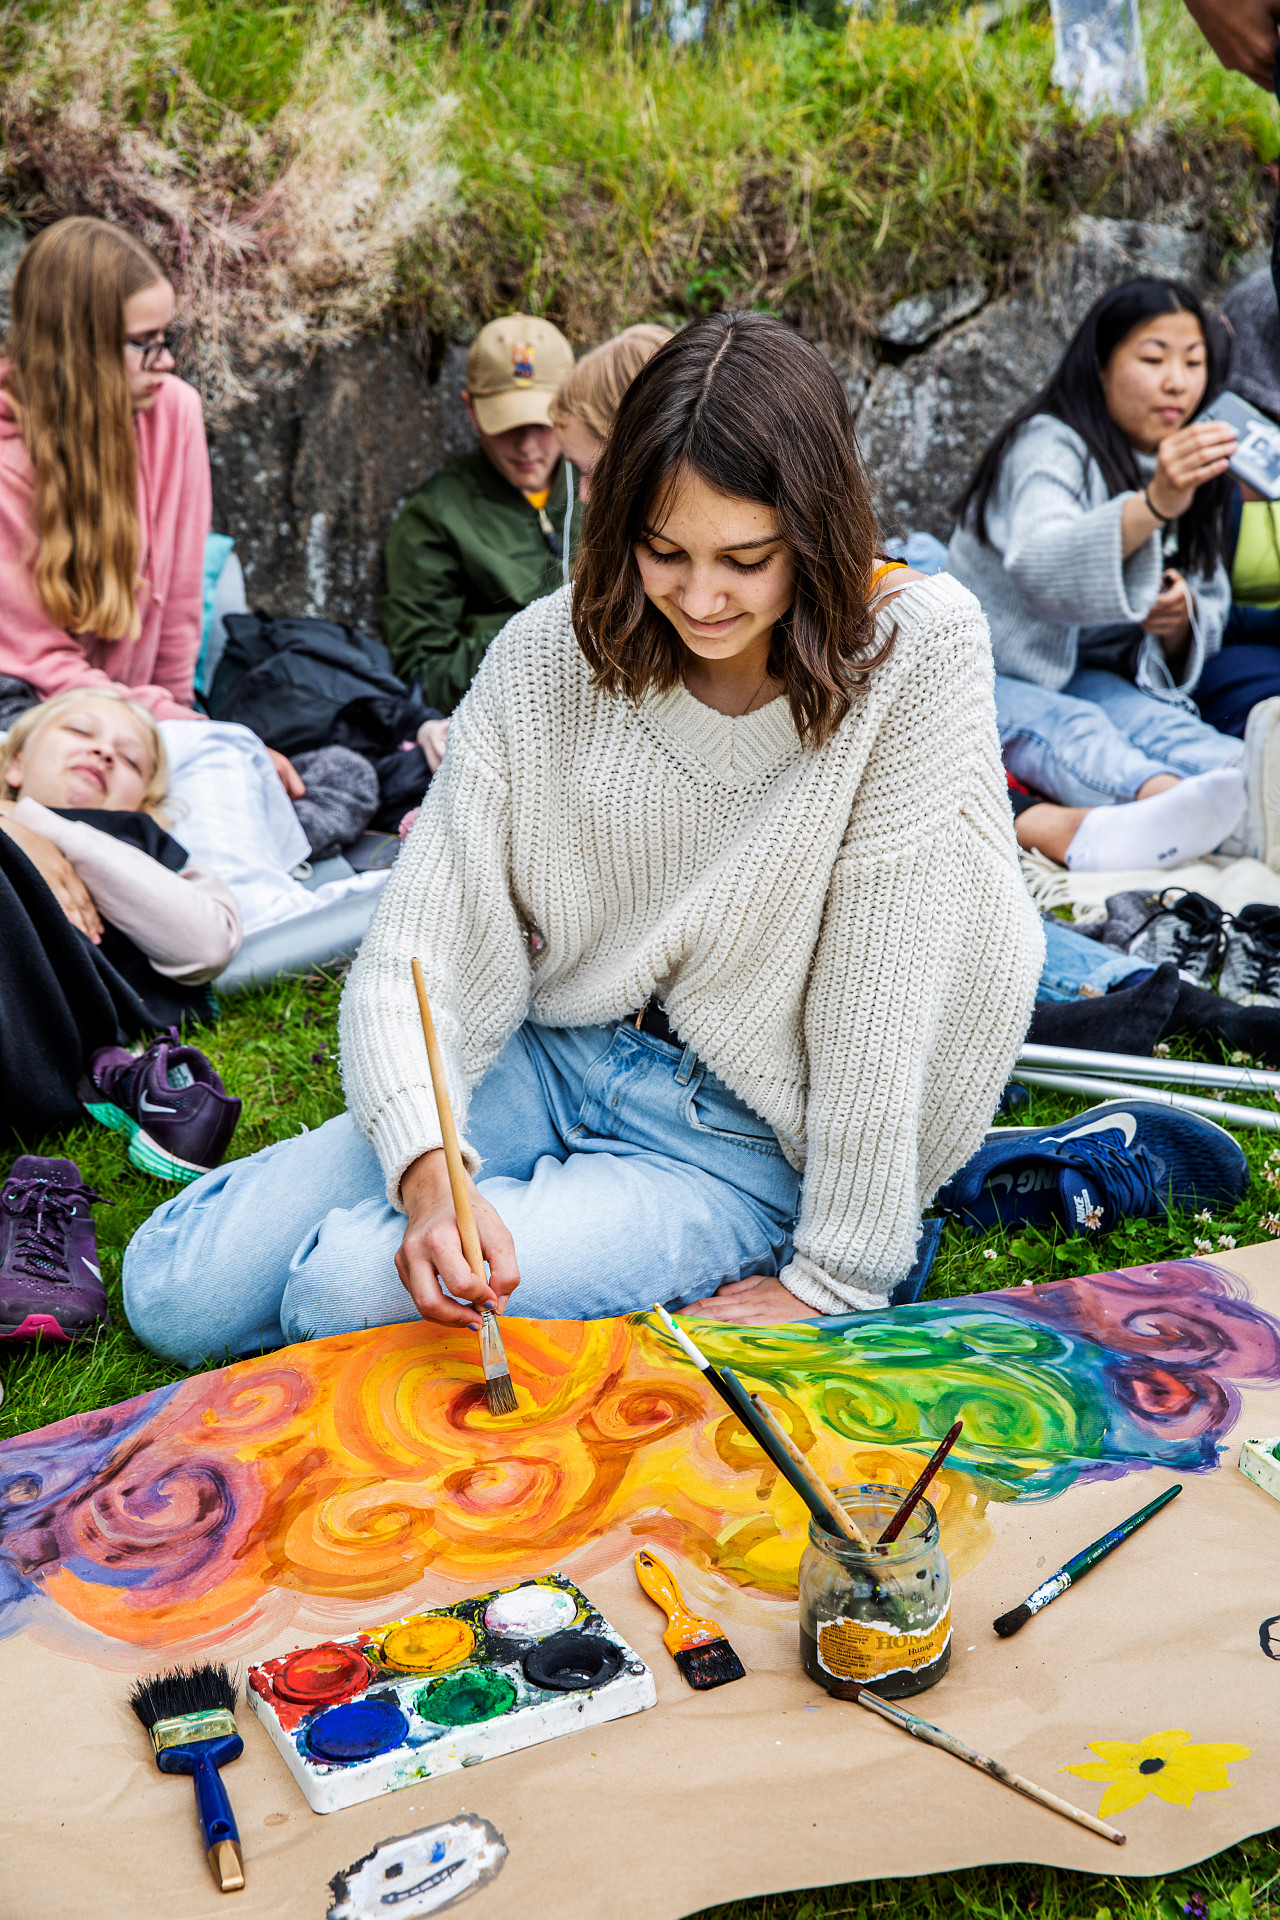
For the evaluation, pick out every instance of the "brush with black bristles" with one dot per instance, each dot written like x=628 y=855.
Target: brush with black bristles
x=697 y=1646
x=191 y=1717
x=499 y=1391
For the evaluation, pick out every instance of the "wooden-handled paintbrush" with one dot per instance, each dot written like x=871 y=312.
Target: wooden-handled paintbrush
x=838 y=1520
x=191 y=1717
x=947 y=1743
x=499 y=1391
x=916 y=1492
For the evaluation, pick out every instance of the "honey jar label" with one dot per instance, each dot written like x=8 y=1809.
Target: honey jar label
x=856 y=1650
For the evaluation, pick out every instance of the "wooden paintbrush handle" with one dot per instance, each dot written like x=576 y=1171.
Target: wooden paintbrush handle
x=840 y=1521
x=916 y=1491
x=948 y=1743
x=449 y=1134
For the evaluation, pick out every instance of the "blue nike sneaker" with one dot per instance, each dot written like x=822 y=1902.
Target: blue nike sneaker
x=1123 y=1160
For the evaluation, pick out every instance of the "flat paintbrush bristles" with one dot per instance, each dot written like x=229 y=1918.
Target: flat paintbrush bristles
x=499 y=1392
x=714 y=1664
x=1010 y=1622
x=501 y=1395
x=168 y=1696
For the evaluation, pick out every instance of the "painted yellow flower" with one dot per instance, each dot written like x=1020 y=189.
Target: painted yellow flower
x=1166 y=1764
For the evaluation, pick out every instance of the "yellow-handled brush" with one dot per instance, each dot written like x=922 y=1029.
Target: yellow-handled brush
x=499 y=1391
x=697 y=1646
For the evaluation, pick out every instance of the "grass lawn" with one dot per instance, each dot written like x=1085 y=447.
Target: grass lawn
x=278 y=1051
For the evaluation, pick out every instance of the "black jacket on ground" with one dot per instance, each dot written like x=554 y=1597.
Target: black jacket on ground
x=62 y=997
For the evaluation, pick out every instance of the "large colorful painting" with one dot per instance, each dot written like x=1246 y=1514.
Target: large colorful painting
x=361 y=1466
x=331 y=1486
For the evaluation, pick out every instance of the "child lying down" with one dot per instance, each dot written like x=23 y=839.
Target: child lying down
x=110 y=930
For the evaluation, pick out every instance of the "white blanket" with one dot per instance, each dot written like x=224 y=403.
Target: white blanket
x=232 y=815
x=1233 y=884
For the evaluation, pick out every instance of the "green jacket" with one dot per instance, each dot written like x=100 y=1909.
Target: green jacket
x=465 y=553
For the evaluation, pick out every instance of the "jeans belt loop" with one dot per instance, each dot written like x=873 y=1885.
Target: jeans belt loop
x=685 y=1071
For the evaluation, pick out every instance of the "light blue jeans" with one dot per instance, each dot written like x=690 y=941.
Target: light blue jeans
x=1074 y=965
x=1101 y=738
x=625 y=1172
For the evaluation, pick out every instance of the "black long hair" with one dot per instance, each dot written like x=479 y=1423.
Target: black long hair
x=1074 y=396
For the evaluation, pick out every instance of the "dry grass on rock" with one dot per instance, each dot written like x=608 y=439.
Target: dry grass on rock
x=282 y=235
x=306 y=173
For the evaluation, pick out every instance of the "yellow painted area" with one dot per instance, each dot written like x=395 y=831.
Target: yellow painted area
x=526 y=1408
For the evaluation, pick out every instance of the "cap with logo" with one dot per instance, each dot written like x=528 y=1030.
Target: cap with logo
x=513 y=370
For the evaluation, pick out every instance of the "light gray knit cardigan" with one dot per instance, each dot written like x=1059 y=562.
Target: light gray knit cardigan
x=841 y=933
x=1053 y=583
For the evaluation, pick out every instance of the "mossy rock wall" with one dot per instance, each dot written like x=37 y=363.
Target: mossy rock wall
x=310 y=472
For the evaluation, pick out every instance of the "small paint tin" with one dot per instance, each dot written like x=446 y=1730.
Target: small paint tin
x=871 y=1618
x=1259 y=1462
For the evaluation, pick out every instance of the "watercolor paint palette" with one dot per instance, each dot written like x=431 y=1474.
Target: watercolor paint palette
x=398 y=1704
x=1258 y=1462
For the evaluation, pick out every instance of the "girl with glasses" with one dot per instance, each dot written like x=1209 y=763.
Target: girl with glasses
x=104 y=479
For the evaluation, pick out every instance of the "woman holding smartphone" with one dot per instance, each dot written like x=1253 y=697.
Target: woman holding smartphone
x=1092 y=533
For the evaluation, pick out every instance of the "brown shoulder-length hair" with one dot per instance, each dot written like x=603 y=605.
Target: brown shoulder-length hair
x=67 y=375
x=755 y=411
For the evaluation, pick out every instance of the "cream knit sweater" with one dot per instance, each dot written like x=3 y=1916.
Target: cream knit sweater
x=843 y=936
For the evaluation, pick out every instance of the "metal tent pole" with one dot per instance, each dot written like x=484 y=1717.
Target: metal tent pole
x=1226 y=1113
x=1138 y=1066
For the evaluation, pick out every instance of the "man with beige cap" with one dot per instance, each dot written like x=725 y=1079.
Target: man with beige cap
x=483 y=538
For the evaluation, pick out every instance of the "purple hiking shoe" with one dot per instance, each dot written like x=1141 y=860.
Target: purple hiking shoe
x=49 y=1279
x=178 y=1115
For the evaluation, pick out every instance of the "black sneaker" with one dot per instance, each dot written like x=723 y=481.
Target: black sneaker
x=1251 y=970
x=169 y=1101
x=1186 y=928
x=50 y=1284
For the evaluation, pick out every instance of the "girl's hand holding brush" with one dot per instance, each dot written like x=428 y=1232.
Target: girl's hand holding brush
x=431 y=1263
x=498 y=1390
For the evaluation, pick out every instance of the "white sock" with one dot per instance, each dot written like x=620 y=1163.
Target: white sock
x=1180 y=824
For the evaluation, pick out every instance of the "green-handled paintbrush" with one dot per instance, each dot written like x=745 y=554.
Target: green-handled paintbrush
x=1079 y=1565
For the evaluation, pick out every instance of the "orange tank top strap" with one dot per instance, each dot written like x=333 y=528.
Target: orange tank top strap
x=889 y=566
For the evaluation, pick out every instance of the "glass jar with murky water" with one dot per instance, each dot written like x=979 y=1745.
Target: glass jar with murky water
x=876 y=1617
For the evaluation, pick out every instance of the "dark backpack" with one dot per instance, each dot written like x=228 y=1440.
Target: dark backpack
x=289 y=680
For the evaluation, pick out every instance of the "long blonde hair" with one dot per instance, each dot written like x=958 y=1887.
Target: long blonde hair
x=591 y=390
x=27 y=725
x=68 y=379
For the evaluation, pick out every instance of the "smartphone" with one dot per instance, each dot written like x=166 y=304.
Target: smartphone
x=1256 y=459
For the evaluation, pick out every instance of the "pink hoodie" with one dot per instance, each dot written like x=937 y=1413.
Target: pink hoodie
x=174 y=506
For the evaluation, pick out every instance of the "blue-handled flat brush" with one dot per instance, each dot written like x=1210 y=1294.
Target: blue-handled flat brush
x=191 y=1717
